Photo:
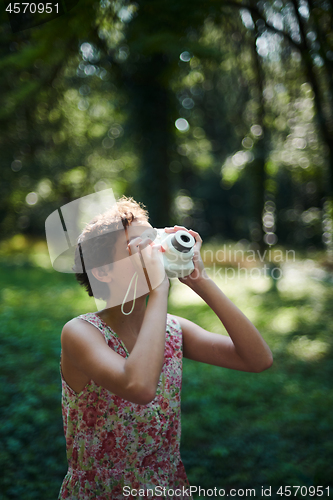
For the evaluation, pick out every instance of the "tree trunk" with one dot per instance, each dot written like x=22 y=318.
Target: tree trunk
x=151 y=125
x=325 y=123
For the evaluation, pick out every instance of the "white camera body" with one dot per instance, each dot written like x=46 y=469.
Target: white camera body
x=178 y=252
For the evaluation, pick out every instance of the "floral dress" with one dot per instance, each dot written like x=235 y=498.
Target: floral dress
x=117 y=449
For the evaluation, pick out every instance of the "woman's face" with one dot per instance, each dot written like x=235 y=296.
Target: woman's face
x=135 y=230
x=126 y=273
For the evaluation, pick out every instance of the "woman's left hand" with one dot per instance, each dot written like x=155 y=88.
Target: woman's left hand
x=199 y=272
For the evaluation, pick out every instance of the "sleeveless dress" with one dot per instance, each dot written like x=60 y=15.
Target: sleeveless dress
x=117 y=449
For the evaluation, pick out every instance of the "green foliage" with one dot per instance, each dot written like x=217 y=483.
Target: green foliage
x=97 y=92
x=32 y=457
x=244 y=430
x=239 y=430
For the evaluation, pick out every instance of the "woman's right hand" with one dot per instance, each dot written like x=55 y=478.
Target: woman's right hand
x=151 y=260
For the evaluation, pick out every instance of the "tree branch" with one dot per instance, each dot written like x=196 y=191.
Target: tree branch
x=271 y=27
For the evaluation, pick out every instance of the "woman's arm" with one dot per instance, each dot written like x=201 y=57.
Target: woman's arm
x=244 y=349
x=134 y=378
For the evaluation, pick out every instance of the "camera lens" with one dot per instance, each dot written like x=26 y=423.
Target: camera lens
x=182 y=241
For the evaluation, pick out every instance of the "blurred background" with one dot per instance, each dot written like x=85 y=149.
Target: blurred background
x=217 y=115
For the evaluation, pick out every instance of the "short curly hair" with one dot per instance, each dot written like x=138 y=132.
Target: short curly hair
x=98 y=239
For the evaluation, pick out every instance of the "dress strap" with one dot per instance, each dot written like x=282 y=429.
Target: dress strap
x=111 y=338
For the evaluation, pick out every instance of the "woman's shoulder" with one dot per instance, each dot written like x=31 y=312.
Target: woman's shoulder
x=84 y=320
x=82 y=329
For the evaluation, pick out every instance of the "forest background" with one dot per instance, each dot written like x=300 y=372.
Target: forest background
x=217 y=115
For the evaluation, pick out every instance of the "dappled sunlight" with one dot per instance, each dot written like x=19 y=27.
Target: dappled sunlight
x=249 y=294
x=181 y=294
x=259 y=284
x=246 y=293
x=285 y=320
x=308 y=350
x=240 y=285
x=238 y=288
x=41 y=259
x=286 y=311
x=299 y=281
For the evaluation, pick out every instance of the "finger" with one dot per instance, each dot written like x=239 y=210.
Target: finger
x=174 y=229
x=157 y=247
x=195 y=235
x=133 y=245
x=152 y=254
x=144 y=243
x=198 y=242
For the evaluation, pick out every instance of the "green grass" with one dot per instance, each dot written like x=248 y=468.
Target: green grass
x=239 y=430
x=244 y=430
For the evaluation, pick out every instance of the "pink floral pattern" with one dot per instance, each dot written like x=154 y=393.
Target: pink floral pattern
x=112 y=443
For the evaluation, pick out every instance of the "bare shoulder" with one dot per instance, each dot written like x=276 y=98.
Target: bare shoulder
x=191 y=332
x=78 y=332
x=185 y=324
x=85 y=354
x=205 y=346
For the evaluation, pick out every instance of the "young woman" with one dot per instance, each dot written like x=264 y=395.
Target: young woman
x=121 y=367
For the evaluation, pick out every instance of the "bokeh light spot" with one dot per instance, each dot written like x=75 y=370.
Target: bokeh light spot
x=31 y=198
x=185 y=56
x=182 y=125
x=188 y=103
x=270 y=238
x=16 y=165
x=256 y=130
